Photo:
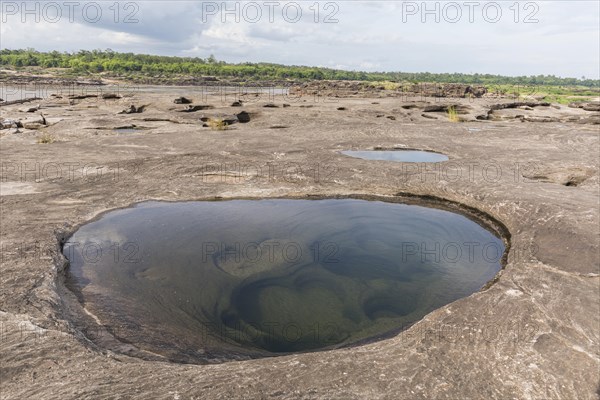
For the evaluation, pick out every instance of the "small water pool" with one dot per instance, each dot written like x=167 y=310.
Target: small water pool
x=414 y=156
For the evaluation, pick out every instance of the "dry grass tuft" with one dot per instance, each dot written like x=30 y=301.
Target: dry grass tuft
x=452 y=114
x=217 y=124
x=45 y=138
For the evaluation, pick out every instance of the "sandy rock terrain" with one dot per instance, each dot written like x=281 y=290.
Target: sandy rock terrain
x=532 y=334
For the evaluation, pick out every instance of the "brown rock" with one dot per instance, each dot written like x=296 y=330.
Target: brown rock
x=182 y=100
x=134 y=110
x=592 y=106
x=110 y=96
x=243 y=117
x=197 y=108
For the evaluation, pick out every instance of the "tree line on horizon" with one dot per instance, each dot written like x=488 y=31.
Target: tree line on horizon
x=98 y=61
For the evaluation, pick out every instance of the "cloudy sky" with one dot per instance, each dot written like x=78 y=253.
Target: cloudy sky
x=504 y=37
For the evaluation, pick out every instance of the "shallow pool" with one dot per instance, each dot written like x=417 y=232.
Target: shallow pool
x=398 y=155
x=196 y=281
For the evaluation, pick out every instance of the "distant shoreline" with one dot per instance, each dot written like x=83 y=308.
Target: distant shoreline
x=163 y=69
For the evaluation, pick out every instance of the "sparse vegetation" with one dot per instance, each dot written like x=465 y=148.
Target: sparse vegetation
x=217 y=124
x=567 y=99
x=453 y=114
x=45 y=138
x=551 y=94
x=387 y=85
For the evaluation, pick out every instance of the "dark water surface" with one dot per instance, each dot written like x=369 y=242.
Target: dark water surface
x=196 y=281
x=398 y=155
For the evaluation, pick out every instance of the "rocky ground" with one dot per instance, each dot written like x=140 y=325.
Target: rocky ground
x=532 y=334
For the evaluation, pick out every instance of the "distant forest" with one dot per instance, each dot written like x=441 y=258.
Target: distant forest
x=108 y=61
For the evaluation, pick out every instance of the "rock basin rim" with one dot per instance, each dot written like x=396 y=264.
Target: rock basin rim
x=85 y=321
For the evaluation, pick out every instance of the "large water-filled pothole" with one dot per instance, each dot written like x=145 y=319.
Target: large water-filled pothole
x=219 y=280
x=414 y=156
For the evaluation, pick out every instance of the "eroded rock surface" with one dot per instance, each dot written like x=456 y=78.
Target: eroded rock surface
x=533 y=334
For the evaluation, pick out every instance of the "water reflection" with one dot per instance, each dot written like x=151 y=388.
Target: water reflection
x=217 y=280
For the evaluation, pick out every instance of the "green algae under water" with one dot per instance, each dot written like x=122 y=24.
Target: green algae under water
x=198 y=281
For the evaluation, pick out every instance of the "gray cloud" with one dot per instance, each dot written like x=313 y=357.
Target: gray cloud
x=368 y=35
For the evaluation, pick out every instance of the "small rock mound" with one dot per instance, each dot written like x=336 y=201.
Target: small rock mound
x=197 y=108
x=572 y=177
x=589 y=106
x=518 y=104
x=110 y=96
x=243 y=117
x=458 y=108
x=134 y=110
x=182 y=100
